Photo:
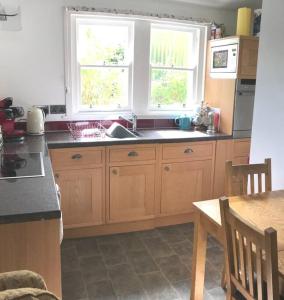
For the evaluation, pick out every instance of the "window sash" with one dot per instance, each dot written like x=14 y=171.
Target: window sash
x=140 y=85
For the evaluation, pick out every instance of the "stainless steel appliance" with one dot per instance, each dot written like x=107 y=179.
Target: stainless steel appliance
x=21 y=165
x=243 y=110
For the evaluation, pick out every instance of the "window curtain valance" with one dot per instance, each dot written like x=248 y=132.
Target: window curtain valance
x=139 y=14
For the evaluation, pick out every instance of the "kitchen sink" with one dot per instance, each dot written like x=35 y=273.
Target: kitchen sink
x=118 y=131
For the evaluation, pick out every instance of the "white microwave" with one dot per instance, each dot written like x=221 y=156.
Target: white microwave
x=224 y=60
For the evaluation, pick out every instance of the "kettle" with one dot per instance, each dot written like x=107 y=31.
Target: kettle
x=183 y=122
x=35 y=121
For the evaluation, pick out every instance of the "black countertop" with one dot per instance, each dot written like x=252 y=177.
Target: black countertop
x=29 y=199
x=65 y=140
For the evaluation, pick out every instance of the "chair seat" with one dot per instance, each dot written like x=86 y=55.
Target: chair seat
x=26 y=294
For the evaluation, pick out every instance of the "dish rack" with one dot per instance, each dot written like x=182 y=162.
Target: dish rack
x=87 y=130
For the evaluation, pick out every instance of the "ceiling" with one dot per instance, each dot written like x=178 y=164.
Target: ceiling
x=229 y=4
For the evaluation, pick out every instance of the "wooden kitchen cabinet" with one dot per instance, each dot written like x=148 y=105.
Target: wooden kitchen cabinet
x=238 y=151
x=186 y=176
x=80 y=174
x=132 y=193
x=81 y=196
x=248 y=55
x=184 y=183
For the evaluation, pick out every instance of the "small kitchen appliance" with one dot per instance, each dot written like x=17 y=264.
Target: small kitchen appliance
x=35 y=121
x=8 y=114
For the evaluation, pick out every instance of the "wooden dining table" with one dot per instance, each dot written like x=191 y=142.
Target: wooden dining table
x=262 y=210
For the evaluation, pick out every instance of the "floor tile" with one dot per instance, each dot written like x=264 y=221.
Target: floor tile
x=131 y=243
x=172 y=234
x=102 y=290
x=157 y=247
x=217 y=293
x=113 y=254
x=142 y=262
x=173 y=268
x=157 y=287
x=183 y=248
x=93 y=269
x=69 y=259
x=146 y=265
x=87 y=247
x=73 y=286
x=124 y=279
x=183 y=289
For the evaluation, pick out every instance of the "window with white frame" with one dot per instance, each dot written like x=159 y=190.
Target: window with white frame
x=122 y=64
x=173 y=65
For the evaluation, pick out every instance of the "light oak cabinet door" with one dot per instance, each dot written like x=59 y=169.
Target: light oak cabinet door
x=131 y=193
x=184 y=183
x=81 y=196
x=248 y=58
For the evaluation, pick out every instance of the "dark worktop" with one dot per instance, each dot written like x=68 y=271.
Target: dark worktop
x=29 y=199
x=65 y=140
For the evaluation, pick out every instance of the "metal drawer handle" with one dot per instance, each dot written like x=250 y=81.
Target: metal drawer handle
x=167 y=168
x=76 y=156
x=132 y=154
x=114 y=172
x=188 y=151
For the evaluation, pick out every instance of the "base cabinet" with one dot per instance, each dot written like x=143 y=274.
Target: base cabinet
x=131 y=192
x=81 y=196
x=183 y=183
x=237 y=151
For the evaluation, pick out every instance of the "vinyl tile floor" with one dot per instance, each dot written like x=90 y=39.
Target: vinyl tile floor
x=152 y=265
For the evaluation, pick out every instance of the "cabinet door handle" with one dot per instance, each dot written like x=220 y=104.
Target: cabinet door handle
x=188 y=151
x=114 y=172
x=56 y=175
x=167 y=168
x=76 y=156
x=132 y=154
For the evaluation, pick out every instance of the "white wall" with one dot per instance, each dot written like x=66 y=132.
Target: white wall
x=32 y=60
x=268 y=134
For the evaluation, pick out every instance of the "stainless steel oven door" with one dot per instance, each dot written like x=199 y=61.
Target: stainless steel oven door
x=243 y=114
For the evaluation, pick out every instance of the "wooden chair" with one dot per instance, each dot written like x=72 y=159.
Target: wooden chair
x=241 y=179
x=245 y=248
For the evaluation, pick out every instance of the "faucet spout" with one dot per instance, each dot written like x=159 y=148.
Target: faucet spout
x=132 y=119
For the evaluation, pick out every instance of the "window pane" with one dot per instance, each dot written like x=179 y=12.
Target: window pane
x=102 y=44
x=104 y=87
x=171 y=48
x=171 y=87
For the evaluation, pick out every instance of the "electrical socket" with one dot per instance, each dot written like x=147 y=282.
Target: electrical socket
x=57 y=109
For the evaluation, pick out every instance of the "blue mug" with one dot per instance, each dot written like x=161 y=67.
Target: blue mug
x=183 y=122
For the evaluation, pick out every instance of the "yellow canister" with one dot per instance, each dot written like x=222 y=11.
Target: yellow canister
x=244 y=21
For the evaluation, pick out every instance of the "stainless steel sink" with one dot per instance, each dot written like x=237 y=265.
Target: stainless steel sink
x=118 y=131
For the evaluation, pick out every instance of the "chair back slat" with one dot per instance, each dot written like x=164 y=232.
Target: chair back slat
x=249 y=267
x=247 y=250
x=241 y=179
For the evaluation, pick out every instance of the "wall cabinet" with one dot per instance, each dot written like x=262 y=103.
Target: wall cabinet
x=183 y=183
x=131 y=192
x=248 y=54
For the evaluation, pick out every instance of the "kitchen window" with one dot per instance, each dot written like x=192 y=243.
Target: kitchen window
x=116 y=64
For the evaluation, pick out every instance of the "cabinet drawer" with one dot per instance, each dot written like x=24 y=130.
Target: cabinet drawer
x=188 y=151
x=241 y=147
x=132 y=154
x=75 y=158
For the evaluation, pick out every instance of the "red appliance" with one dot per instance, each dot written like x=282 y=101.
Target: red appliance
x=8 y=114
